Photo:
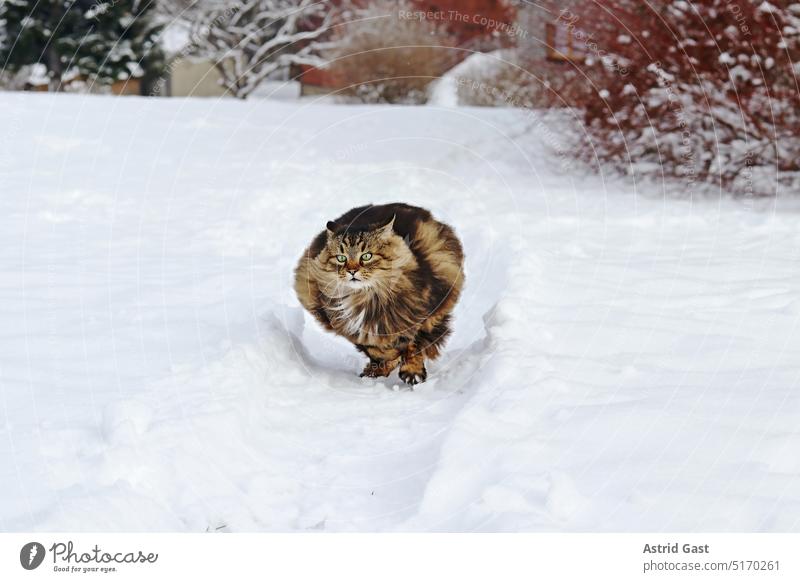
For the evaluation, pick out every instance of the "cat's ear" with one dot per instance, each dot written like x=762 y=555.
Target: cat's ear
x=333 y=228
x=386 y=230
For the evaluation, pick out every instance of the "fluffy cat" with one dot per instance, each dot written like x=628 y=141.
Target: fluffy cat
x=386 y=277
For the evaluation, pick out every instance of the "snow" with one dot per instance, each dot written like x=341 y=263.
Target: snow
x=622 y=361
x=443 y=92
x=175 y=38
x=38 y=75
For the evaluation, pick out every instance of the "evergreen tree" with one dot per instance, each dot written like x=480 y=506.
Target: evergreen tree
x=105 y=41
x=123 y=43
x=35 y=33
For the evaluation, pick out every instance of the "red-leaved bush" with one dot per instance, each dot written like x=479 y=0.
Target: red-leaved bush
x=705 y=90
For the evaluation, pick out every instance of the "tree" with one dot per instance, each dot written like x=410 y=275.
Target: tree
x=123 y=43
x=250 y=40
x=104 y=41
x=41 y=32
x=704 y=90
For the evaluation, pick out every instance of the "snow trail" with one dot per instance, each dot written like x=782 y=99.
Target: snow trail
x=620 y=362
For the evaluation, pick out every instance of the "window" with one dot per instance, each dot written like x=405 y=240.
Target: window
x=561 y=42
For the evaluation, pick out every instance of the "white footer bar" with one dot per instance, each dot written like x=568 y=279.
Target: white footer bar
x=401 y=557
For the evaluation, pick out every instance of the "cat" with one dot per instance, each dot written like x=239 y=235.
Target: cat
x=386 y=278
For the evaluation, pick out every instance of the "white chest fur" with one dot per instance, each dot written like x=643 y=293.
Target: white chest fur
x=348 y=316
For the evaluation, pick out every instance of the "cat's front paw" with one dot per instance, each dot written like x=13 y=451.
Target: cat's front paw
x=413 y=375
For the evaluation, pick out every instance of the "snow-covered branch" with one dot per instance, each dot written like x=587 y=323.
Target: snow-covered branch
x=251 y=40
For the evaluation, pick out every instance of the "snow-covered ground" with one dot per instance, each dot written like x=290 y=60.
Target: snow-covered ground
x=621 y=361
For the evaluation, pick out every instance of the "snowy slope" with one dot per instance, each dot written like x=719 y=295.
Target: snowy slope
x=621 y=361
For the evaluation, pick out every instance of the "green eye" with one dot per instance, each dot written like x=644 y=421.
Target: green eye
x=366 y=256
x=341 y=258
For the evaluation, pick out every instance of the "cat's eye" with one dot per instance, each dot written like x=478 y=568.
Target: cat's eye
x=341 y=258
x=366 y=256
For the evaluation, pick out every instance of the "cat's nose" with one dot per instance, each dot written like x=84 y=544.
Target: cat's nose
x=353 y=272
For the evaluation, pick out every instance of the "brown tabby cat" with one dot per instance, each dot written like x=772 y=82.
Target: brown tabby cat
x=386 y=278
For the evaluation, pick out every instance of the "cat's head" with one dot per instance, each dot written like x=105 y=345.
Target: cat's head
x=363 y=258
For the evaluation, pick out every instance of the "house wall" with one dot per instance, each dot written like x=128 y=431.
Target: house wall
x=532 y=20
x=193 y=78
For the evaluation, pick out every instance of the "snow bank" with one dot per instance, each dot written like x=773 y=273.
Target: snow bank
x=443 y=92
x=620 y=362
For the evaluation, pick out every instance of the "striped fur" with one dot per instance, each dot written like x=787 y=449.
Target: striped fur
x=386 y=278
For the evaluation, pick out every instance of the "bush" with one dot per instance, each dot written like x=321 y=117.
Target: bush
x=389 y=59
x=510 y=78
x=705 y=91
